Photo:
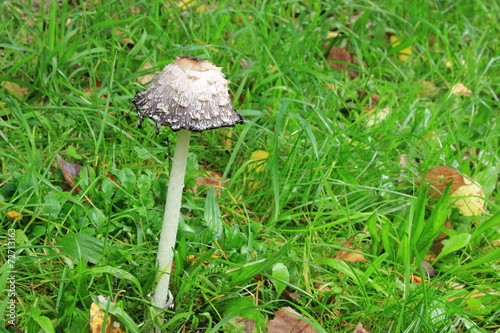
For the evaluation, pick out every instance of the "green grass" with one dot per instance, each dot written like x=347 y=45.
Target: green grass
x=67 y=80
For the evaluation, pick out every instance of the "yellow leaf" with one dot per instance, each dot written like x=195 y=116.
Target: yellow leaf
x=377 y=116
x=259 y=157
x=404 y=53
x=97 y=320
x=332 y=34
x=14 y=215
x=449 y=64
x=330 y=86
x=471 y=202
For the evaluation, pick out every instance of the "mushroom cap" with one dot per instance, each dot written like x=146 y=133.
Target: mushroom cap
x=190 y=93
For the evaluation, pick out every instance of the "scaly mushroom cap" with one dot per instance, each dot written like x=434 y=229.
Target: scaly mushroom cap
x=191 y=94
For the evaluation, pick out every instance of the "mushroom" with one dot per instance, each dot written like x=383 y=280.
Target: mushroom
x=190 y=94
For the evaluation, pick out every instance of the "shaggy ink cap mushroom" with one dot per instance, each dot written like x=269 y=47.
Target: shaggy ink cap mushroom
x=190 y=93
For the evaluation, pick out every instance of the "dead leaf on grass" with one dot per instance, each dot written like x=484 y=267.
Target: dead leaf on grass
x=145 y=79
x=377 y=116
x=403 y=54
x=360 y=329
x=211 y=179
x=97 y=320
x=287 y=320
x=124 y=40
x=243 y=325
x=15 y=89
x=460 y=89
x=70 y=171
x=324 y=290
x=348 y=255
x=428 y=90
x=341 y=59
x=15 y=215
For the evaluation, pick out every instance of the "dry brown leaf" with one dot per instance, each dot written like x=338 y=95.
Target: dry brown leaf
x=213 y=179
x=97 y=320
x=145 y=79
x=460 y=89
x=244 y=325
x=191 y=258
x=70 y=171
x=287 y=320
x=323 y=289
x=471 y=202
x=348 y=255
x=15 y=89
x=368 y=102
x=124 y=40
x=439 y=177
x=341 y=58
x=360 y=329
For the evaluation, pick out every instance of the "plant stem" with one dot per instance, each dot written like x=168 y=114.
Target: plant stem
x=171 y=218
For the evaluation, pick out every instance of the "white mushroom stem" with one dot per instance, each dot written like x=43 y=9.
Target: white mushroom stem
x=171 y=218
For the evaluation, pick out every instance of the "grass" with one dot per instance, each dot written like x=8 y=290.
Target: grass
x=68 y=75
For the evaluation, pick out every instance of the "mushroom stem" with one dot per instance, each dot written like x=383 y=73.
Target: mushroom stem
x=171 y=218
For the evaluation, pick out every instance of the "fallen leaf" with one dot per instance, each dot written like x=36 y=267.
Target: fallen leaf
x=212 y=179
x=460 y=89
x=258 y=157
x=377 y=116
x=191 y=258
x=416 y=279
x=242 y=324
x=70 y=171
x=287 y=320
x=449 y=64
x=348 y=255
x=428 y=90
x=360 y=329
x=439 y=177
x=15 y=89
x=351 y=256
x=471 y=202
x=148 y=77
x=324 y=290
x=97 y=320
x=405 y=53
x=369 y=103
x=14 y=215
x=330 y=86
x=341 y=59
x=332 y=34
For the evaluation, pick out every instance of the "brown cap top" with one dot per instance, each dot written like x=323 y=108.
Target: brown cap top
x=190 y=93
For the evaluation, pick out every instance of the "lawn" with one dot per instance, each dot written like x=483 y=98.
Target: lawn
x=331 y=208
